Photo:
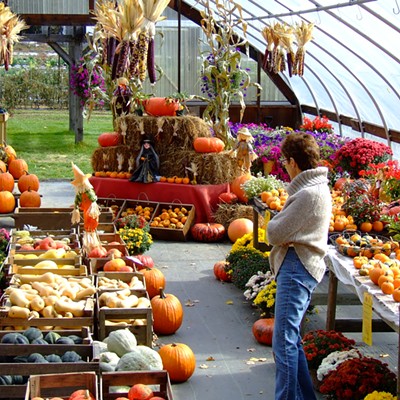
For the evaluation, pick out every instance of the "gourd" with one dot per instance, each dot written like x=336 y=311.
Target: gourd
x=140 y=391
x=51 y=337
x=36 y=358
x=208 y=145
x=159 y=106
x=71 y=356
x=39 y=341
x=18 y=167
x=33 y=333
x=18 y=379
x=14 y=338
x=146 y=260
x=64 y=340
x=154 y=279
x=179 y=360
x=53 y=358
x=141 y=358
x=76 y=339
x=228 y=198
x=18 y=312
x=220 y=271
x=6 y=380
x=121 y=341
x=108 y=361
x=167 y=313
x=208 y=232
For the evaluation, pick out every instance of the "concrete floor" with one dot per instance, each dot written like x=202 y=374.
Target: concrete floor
x=230 y=365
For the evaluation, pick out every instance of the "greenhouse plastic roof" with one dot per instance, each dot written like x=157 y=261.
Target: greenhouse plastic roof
x=352 y=65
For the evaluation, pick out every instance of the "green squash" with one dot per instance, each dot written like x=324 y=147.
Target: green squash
x=64 y=340
x=18 y=380
x=33 y=333
x=39 y=341
x=6 y=380
x=121 y=341
x=141 y=358
x=77 y=339
x=36 y=358
x=53 y=358
x=71 y=356
x=51 y=337
x=14 y=338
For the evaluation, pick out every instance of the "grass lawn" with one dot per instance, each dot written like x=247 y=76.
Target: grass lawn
x=42 y=138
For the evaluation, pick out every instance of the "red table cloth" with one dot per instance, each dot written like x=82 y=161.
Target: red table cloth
x=203 y=197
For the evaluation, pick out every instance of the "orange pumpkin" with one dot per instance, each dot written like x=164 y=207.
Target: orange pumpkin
x=263 y=330
x=220 y=271
x=159 y=106
x=81 y=394
x=114 y=264
x=179 y=360
x=228 y=198
x=366 y=226
x=167 y=313
x=238 y=228
x=6 y=181
x=18 y=167
x=3 y=166
x=30 y=198
x=11 y=153
x=28 y=181
x=154 y=279
x=140 y=391
x=208 y=145
x=7 y=202
x=236 y=187
x=108 y=139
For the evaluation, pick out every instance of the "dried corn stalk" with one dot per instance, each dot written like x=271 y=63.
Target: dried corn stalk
x=303 y=35
x=10 y=27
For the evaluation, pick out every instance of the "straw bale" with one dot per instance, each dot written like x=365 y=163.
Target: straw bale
x=226 y=213
x=105 y=158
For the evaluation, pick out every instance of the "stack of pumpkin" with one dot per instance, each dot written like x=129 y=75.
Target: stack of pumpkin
x=14 y=169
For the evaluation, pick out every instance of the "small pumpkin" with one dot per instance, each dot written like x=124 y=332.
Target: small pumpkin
x=11 y=153
x=167 y=313
x=98 y=252
x=236 y=187
x=154 y=279
x=179 y=360
x=3 y=166
x=238 y=228
x=220 y=271
x=140 y=391
x=146 y=261
x=28 y=181
x=7 y=202
x=7 y=181
x=108 y=139
x=18 y=167
x=263 y=330
x=160 y=106
x=30 y=198
x=228 y=198
x=81 y=394
x=208 y=145
x=208 y=232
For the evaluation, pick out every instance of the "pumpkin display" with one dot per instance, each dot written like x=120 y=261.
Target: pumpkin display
x=154 y=279
x=30 y=198
x=167 y=313
x=228 y=198
x=220 y=271
x=263 y=330
x=208 y=145
x=6 y=181
x=7 y=202
x=236 y=187
x=208 y=232
x=108 y=139
x=179 y=360
x=28 y=181
x=3 y=166
x=238 y=228
x=18 y=167
x=160 y=106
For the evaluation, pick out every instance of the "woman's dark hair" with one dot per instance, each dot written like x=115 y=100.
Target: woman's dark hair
x=303 y=148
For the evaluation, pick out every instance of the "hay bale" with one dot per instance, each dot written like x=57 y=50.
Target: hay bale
x=226 y=213
x=105 y=158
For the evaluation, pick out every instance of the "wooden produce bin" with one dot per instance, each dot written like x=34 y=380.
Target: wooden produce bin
x=96 y=265
x=113 y=203
x=13 y=257
x=26 y=369
x=169 y=233
x=43 y=218
x=138 y=207
x=103 y=227
x=18 y=268
x=48 y=386
x=143 y=333
x=124 y=277
x=159 y=380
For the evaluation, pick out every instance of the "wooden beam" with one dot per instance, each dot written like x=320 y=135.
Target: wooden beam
x=58 y=19
x=61 y=52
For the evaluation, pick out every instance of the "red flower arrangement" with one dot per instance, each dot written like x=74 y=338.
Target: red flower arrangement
x=318 y=124
x=319 y=343
x=355 y=378
x=358 y=154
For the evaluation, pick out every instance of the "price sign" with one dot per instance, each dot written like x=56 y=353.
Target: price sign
x=367 y=319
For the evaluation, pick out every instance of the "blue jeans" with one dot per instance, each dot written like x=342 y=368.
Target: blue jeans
x=294 y=288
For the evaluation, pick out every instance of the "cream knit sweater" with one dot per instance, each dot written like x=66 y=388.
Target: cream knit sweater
x=303 y=222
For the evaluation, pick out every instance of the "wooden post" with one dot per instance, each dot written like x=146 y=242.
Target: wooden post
x=331 y=307
x=3 y=123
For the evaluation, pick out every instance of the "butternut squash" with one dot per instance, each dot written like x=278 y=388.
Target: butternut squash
x=89 y=291
x=76 y=308
x=47 y=277
x=37 y=304
x=18 y=312
x=18 y=298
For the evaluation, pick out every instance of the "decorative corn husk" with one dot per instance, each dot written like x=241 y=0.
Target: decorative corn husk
x=303 y=33
x=10 y=27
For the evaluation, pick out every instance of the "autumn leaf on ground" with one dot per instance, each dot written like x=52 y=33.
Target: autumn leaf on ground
x=229 y=302
x=211 y=358
x=191 y=303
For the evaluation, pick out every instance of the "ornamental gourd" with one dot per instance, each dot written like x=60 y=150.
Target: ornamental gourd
x=208 y=145
x=108 y=139
x=179 y=360
x=167 y=313
x=208 y=232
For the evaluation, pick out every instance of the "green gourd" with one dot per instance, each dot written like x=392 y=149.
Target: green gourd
x=18 y=380
x=5 y=380
x=77 y=339
x=51 y=337
x=39 y=341
x=14 y=338
x=141 y=358
x=33 y=333
x=53 y=358
x=36 y=358
x=64 y=340
x=121 y=341
x=71 y=356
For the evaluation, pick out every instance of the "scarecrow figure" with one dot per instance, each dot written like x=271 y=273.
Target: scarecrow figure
x=243 y=149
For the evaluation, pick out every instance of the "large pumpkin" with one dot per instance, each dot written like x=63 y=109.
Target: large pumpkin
x=179 y=360
x=238 y=228
x=28 y=181
x=263 y=330
x=167 y=313
x=6 y=181
x=208 y=145
x=236 y=187
x=29 y=198
x=220 y=271
x=18 y=167
x=154 y=280
x=160 y=106
x=208 y=232
x=108 y=139
x=7 y=202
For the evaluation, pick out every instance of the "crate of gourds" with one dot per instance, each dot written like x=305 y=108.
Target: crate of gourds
x=172 y=221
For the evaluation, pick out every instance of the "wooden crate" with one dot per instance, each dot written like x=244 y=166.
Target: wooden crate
x=96 y=265
x=43 y=218
x=130 y=208
x=159 y=379
x=173 y=234
x=143 y=333
x=114 y=204
x=12 y=259
x=79 y=270
x=24 y=369
x=51 y=385
x=125 y=277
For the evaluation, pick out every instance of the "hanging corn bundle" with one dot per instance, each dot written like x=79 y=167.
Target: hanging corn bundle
x=152 y=10
x=267 y=34
x=275 y=31
x=286 y=53
x=10 y=27
x=303 y=35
